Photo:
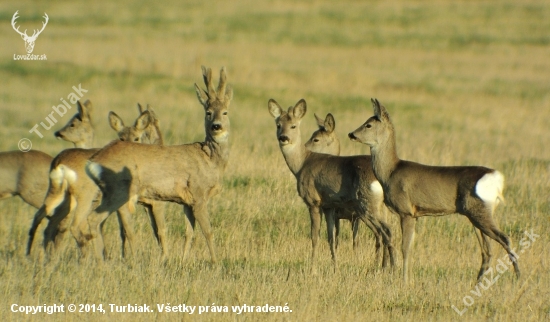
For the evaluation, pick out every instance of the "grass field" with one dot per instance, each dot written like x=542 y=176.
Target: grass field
x=466 y=83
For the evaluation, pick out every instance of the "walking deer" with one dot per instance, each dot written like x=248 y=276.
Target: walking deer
x=25 y=174
x=71 y=193
x=187 y=174
x=327 y=182
x=413 y=190
x=324 y=140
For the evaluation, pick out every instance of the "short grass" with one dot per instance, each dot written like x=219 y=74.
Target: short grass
x=466 y=83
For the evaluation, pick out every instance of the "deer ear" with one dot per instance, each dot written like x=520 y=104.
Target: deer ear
x=140 y=108
x=143 y=120
x=83 y=110
x=274 y=108
x=330 y=124
x=228 y=94
x=300 y=109
x=320 y=121
x=116 y=122
x=376 y=107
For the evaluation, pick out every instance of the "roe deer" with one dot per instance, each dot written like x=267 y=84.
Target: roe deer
x=187 y=174
x=25 y=174
x=414 y=190
x=324 y=140
x=327 y=182
x=72 y=192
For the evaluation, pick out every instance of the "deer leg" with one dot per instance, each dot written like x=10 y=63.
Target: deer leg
x=485 y=253
x=38 y=216
x=127 y=228
x=58 y=224
x=156 y=212
x=485 y=223
x=329 y=216
x=373 y=228
x=189 y=230
x=315 y=217
x=337 y=231
x=407 y=229
x=201 y=215
x=355 y=229
x=95 y=221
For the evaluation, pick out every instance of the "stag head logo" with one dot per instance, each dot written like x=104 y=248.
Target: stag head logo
x=29 y=41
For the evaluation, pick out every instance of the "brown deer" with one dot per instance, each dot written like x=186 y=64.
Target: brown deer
x=71 y=193
x=324 y=140
x=327 y=182
x=413 y=190
x=25 y=174
x=187 y=174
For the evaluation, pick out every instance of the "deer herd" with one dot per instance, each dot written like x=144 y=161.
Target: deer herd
x=79 y=188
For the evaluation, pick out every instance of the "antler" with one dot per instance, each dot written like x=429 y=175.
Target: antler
x=17 y=29
x=24 y=34
x=43 y=26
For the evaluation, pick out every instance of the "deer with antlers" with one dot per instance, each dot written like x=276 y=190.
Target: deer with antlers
x=187 y=174
x=29 y=40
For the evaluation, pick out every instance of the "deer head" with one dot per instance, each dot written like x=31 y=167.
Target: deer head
x=29 y=41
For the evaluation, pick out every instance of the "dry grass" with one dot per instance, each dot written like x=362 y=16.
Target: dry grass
x=465 y=83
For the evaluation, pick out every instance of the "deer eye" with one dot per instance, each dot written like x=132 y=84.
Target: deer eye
x=225 y=113
x=122 y=139
x=278 y=126
x=315 y=140
x=136 y=139
x=368 y=126
x=293 y=127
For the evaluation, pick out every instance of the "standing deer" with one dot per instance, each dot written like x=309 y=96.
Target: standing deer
x=187 y=174
x=25 y=174
x=413 y=190
x=71 y=193
x=324 y=140
x=327 y=182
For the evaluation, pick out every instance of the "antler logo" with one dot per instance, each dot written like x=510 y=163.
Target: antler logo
x=29 y=41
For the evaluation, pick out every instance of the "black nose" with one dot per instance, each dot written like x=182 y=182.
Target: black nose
x=57 y=134
x=352 y=136
x=283 y=138
x=216 y=127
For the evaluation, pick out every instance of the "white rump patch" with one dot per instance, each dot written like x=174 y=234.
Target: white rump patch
x=489 y=187
x=93 y=170
x=376 y=188
x=61 y=173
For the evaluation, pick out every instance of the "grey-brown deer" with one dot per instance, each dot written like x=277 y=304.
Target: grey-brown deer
x=71 y=193
x=324 y=140
x=413 y=190
x=327 y=182
x=25 y=174
x=187 y=174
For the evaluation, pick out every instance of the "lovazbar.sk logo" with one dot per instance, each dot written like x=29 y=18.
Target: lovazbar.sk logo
x=29 y=40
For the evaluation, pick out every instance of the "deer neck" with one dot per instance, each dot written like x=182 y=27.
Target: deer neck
x=384 y=159
x=295 y=156
x=86 y=143
x=218 y=151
